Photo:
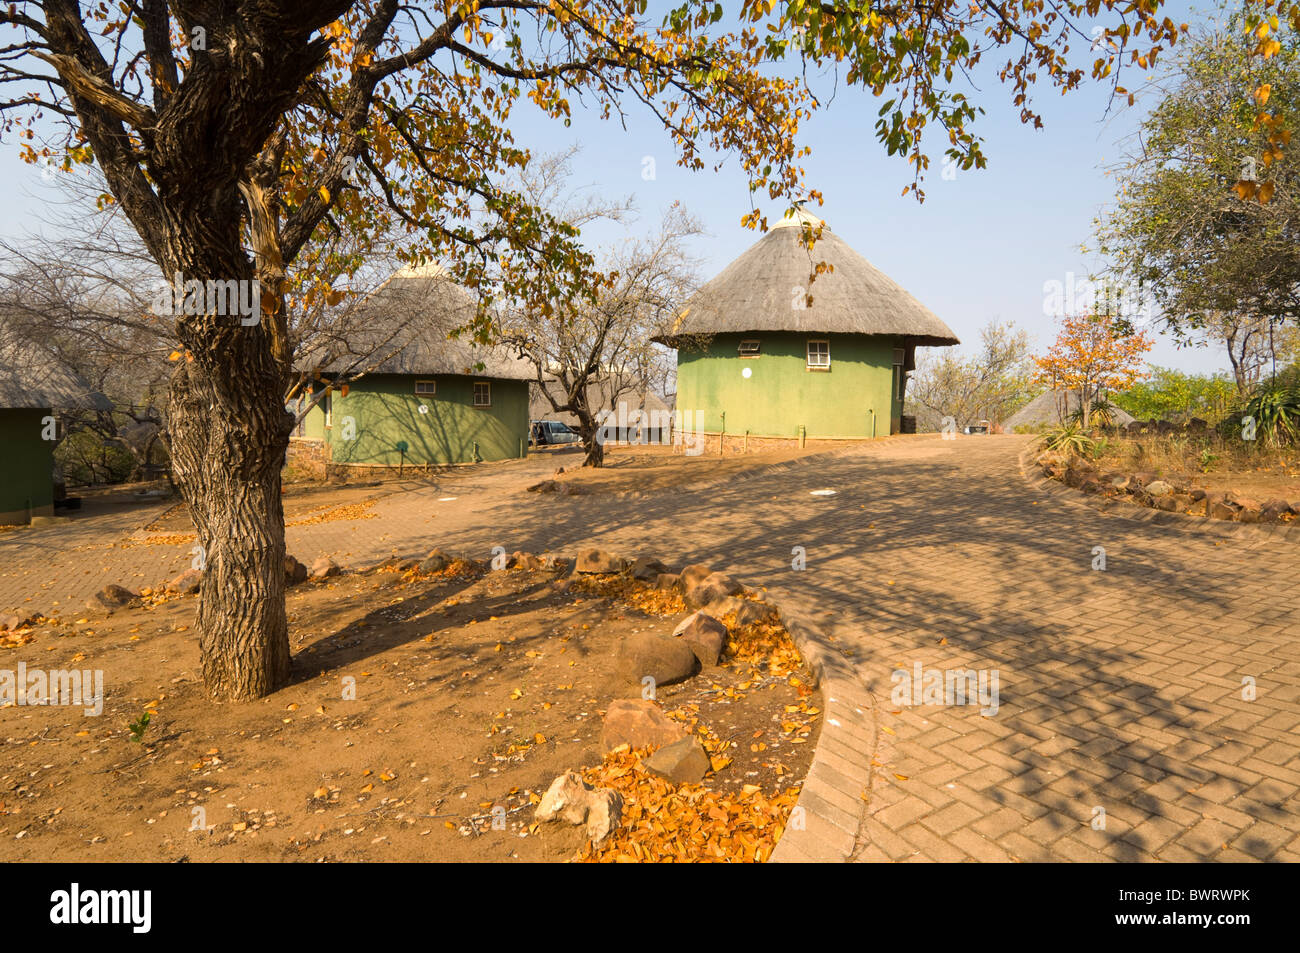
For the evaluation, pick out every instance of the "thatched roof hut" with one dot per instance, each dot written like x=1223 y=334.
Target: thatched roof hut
x=1053 y=407
x=33 y=377
x=758 y=291
x=405 y=327
x=423 y=396
x=765 y=349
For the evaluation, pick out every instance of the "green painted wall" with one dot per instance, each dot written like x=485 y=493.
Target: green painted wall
x=26 y=467
x=313 y=425
x=781 y=393
x=385 y=409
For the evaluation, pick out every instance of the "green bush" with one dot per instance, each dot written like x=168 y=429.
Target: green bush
x=1169 y=394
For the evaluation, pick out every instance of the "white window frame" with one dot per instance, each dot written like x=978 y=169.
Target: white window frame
x=900 y=370
x=809 y=354
x=431 y=385
x=487 y=386
x=758 y=345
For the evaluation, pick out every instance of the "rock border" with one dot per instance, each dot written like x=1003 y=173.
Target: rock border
x=831 y=798
x=1145 y=514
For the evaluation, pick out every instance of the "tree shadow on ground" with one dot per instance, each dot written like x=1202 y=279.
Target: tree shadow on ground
x=1096 y=709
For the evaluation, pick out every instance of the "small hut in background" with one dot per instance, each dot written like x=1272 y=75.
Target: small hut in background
x=35 y=386
x=1052 y=408
x=425 y=397
x=756 y=357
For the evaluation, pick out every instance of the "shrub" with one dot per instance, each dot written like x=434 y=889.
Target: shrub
x=1100 y=414
x=1276 y=409
x=1070 y=439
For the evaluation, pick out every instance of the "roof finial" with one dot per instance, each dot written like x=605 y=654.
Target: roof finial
x=799 y=216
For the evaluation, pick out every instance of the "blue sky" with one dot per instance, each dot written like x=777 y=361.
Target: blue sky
x=979 y=248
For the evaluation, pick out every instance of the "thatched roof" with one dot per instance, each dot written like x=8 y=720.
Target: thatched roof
x=33 y=377
x=755 y=293
x=1051 y=408
x=405 y=327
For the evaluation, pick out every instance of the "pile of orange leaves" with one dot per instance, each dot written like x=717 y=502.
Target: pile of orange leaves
x=331 y=514
x=665 y=822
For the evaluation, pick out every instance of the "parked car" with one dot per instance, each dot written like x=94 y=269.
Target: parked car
x=551 y=433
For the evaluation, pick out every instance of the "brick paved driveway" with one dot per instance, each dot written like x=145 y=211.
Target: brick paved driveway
x=1120 y=691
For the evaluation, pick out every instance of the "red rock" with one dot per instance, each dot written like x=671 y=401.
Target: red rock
x=638 y=722
x=685 y=761
x=705 y=635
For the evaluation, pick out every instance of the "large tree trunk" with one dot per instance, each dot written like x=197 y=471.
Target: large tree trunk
x=595 y=448
x=229 y=437
x=592 y=441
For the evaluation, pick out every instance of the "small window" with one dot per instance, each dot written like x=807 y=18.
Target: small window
x=819 y=355
x=749 y=348
x=426 y=387
x=482 y=394
x=327 y=407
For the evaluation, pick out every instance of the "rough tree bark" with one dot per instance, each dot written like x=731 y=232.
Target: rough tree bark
x=229 y=437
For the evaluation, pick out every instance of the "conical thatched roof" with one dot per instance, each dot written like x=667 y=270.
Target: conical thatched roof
x=33 y=377
x=756 y=292
x=405 y=327
x=1052 y=407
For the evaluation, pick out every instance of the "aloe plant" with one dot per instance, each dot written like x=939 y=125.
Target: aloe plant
x=1070 y=439
x=1275 y=408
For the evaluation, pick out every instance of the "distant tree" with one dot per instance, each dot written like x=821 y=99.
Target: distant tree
x=1166 y=393
x=992 y=384
x=1220 y=268
x=1093 y=354
x=602 y=348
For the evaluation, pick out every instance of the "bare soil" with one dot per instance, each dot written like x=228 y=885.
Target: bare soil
x=1256 y=472
x=651 y=468
x=473 y=691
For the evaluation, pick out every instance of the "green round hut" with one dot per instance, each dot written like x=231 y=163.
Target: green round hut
x=765 y=352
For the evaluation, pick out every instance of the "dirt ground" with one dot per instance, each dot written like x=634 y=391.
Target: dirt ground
x=1279 y=481
x=656 y=467
x=303 y=503
x=1259 y=473
x=639 y=468
x=473 y=690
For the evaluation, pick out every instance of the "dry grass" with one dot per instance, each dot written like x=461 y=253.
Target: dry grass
x=1209 y=461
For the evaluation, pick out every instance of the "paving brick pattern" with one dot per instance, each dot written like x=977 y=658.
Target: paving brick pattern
x=1119 y=690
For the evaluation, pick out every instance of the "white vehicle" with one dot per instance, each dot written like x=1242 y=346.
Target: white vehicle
x=549 y=433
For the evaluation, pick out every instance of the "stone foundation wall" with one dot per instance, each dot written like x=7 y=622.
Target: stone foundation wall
x=307 y=458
